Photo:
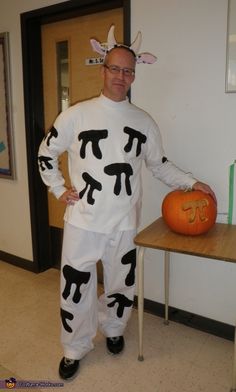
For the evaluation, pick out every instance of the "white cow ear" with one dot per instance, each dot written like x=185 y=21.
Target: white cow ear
x=97 y=47
x=146 y=58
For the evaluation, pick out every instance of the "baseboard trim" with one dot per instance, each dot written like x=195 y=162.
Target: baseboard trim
x=18 y=261
x=192 y=320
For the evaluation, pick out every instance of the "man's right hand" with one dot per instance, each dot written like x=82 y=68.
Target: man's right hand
x=69 y=197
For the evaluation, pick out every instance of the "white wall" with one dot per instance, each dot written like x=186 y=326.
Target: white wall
x=184 y=92
x=15 y=229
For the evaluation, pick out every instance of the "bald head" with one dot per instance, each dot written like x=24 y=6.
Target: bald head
x=117 y=82
x=121 y=50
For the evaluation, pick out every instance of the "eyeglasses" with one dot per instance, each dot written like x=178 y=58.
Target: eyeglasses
x=115 y=70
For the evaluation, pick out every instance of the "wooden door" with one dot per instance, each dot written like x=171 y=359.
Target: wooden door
x=83 y=80
x=67 y=79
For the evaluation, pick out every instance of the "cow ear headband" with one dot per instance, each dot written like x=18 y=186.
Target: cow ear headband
x=104 y=48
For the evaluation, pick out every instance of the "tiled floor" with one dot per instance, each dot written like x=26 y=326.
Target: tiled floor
x=177 y=358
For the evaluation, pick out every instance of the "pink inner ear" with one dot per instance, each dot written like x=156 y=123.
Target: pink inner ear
x=146 y=58
x=97 y=46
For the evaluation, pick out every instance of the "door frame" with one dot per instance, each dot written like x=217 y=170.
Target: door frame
x=31 y=23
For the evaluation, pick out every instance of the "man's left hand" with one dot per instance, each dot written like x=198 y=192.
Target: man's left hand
x=200 y=186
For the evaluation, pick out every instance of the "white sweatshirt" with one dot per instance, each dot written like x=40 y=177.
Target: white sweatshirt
x=106 y=143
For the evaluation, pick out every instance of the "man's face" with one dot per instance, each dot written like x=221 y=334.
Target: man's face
x=116 y=86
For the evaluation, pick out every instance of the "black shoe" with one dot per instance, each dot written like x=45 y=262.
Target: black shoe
x=115 y=345
x=68 y=368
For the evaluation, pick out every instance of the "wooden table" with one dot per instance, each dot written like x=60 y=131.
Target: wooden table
x=219 y=243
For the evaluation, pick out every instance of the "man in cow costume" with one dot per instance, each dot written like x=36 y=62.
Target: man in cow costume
x=106 y=138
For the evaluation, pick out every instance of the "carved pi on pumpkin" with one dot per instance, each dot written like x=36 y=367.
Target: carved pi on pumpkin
x=189 y=212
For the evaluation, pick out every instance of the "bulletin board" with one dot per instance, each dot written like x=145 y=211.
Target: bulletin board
x=7 y=167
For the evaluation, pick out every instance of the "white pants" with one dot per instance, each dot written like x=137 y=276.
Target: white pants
x=81 y=311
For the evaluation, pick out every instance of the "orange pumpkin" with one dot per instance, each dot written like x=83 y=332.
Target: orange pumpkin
x=189 y=212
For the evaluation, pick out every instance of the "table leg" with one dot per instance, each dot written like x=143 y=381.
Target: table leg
x=140 y=300
x=233 y=389
x=167 y=282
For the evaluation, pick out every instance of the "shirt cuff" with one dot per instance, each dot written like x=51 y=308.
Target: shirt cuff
x=58 y=190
